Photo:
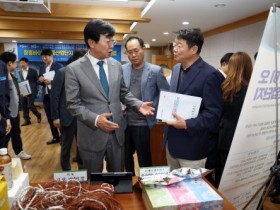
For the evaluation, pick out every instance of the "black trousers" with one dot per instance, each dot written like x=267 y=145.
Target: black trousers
x=28 y=104
x=220 y=165
x=47 y=107
x=137 y=138
x=67 y=136
x=15 y=135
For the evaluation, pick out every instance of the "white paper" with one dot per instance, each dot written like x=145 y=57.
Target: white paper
x=49 y=75
x=184 y=105
x=24 y=88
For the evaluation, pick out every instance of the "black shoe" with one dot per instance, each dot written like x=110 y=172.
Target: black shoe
x=26 y=123
x=39 y=119
x=53 y=141
x=275 y=199
x=273 y=193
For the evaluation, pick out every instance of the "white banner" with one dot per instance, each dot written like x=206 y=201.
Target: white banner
x=252 y=151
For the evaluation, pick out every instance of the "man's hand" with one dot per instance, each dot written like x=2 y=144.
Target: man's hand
x=57 y=123
x=146 y=109
x=179 y=123
x=8 y=127
x=41 y=79
x=47 y=81
x=106 y=125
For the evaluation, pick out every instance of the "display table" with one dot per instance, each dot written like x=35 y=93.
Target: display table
x=134 y=200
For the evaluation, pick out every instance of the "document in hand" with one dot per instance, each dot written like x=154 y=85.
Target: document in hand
x=49 y=75
x=184 y=105
x=24 y=88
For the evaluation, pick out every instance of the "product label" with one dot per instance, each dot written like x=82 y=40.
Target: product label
x=7 y=172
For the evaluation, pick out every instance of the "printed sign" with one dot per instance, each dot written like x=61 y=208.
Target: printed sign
x=253 y=152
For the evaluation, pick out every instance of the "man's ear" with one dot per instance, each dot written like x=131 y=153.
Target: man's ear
x=194 y=49
x=91 y=43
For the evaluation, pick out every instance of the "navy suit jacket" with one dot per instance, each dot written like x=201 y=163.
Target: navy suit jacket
x=152 y=82
x=204 y=81
x=58 y=99
x=54 y=67
x=4 y=91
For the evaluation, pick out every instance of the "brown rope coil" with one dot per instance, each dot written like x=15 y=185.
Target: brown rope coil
x=71 y=195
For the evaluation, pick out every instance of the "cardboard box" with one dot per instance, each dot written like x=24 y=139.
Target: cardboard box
x=4 y=205
x=21 y=182
x=191 y=194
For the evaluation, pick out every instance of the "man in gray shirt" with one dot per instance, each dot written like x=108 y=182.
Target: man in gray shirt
x=144 y=80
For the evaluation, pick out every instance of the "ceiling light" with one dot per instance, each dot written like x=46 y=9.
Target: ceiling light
x=165 y=33
x=14 y=40
x=219 y=5
x=60 y=42
x=185 y=23
x=154 y=40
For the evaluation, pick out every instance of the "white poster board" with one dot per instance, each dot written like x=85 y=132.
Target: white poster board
x=252 y=151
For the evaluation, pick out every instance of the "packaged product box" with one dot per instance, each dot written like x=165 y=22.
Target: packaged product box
x=19 y=184
x=4 y=205
x=189 y=194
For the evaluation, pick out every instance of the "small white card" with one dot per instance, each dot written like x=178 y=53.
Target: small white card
x=154 y=171
x=79 y=175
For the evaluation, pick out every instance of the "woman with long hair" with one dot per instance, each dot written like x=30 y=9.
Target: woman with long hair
x=234 y=88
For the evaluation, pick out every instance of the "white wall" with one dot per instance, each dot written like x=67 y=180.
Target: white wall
x=245 y=39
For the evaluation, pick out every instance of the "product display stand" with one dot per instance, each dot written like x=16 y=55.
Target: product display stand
x=275 y=169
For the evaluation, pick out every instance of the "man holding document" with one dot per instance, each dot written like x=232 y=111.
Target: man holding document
x=187 y=135
x=29 y=78
x=46 y=75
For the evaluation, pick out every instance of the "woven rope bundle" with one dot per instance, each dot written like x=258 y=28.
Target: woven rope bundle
x=70 y=195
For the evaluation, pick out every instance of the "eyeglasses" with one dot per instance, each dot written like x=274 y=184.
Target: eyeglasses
x=111 y=41
x=131 y=52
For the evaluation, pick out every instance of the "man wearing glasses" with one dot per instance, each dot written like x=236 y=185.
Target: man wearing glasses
x=94 y=91
x=145 y=81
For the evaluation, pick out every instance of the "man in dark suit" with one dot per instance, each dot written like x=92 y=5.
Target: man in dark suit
x=94 y=91
x=188 y=139
x=31 y=75
x=5 y=123
x=145 y=81
x=61 y=117
x=46 y=80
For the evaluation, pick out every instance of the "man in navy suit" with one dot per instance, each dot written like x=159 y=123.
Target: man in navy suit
x=50 y=65
x=188 y=139
x=145 y=81
x=61 y=116
x=31 y=75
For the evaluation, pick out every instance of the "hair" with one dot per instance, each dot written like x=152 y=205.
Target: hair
x=140 y=40
x=239 y=73
x=97 y=27
x=24 y=59
x=47 y=51
x=192 y=36
x=225 y=58
x=76 y=55
x=7 y=57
